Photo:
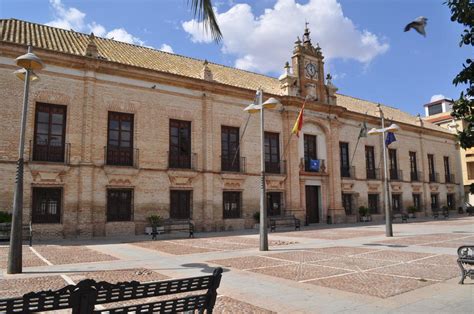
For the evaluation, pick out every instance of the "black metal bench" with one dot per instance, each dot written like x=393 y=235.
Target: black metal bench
x=27 y=232
x=402 y=216
x=466 y=259
x=87 y=296
x=170 y=225
x=288 y=220
x=444 y=213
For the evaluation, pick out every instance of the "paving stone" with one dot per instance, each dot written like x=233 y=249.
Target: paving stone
x=302 y=256
x=249 y=262
x=397 y=256
x=433 y=272
x=452 y=243
x=299 y=272
x=424 y=239
x=442 y=259
x=172 y=248
x=17 y=287
x=355 y=263
x=227 y=305
x=29 y=259
x=332 y=234
x=114 y=276
x=382 y=286
x=59 y=254
x=344 y=250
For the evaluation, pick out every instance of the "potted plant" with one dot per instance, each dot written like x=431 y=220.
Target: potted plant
x=256 y=218
x=363 y=211
x=5 y=217
x=156 y=224
x=411 y=211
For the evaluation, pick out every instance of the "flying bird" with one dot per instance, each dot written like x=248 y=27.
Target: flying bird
x=418 y=24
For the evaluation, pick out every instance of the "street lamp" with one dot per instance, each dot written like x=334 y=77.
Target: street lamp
x=28 y=62
x=392 y=128
x=270 y=103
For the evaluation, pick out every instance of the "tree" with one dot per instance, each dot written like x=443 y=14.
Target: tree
x=202 y=10
x=462 y=11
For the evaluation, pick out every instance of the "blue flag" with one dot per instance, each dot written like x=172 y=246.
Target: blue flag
x=314 y=164
x=390 y=139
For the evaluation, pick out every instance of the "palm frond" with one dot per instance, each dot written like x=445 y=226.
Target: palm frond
x=203 y=11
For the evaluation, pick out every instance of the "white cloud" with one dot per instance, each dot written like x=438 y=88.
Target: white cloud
x=263 y=43
x=437 y=97
x=166 y=48
x=72 y=18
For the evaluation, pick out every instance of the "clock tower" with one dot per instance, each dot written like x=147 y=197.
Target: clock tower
x=308 y=72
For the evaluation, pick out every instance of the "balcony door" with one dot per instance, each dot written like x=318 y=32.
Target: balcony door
x=310 y=151
x=272 y=152
x=312 y=203
x=180 y=144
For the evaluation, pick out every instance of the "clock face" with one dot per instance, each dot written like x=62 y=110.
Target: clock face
x=311 y=70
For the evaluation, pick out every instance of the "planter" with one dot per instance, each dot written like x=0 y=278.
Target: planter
x=364 y=218
x=411 y=215
x=256 y=226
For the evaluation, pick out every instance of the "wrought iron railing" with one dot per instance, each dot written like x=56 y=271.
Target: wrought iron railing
x=128 y=157
x=237 y=164
x=182 y=161
x=434 y=177
x=50 y=152
x=449 y=178
x=416 y=176
x=396 y=174
x=373 y=174
x=278 y=167
x=348 y=172
x=313 y=165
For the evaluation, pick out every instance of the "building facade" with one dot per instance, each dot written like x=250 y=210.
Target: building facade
x=439 y=113
x=119 y=132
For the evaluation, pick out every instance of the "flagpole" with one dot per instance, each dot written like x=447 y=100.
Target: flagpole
x=388 y=216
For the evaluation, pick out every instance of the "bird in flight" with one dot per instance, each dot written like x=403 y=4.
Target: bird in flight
x=418 y=24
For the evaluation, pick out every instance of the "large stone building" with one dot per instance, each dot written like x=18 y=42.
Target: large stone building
x=439 y=112
x=117 y=132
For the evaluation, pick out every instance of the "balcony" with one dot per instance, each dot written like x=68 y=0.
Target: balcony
x=416 y=176
x=184 y=161
x=348 y=172
x=119 y=156
x=434 y=177
x=373 y=174
x=275 y=167
x=233 y=165
x=313 y=165
x=50 y=153
x=396 y=175
x=449 y=178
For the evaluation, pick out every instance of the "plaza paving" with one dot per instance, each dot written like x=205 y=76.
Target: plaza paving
x=346 y=268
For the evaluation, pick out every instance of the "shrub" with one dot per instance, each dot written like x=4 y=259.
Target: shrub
x=155 y=220
x=256 y=217
x=363 y=211
x=5 y=217
x=411 y=209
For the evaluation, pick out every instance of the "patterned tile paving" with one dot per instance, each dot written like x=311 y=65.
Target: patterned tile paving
x=19 y=286
x=354 y=263
x=29 y=258
x=299 y=272
x=227 y=305
x=58 y=254
x=114 y=276
x=249 y=262
x=376 y=285
x=398 y=256
x=334 y=234
x=343 y=251
x=302 y=256
x=428 y=272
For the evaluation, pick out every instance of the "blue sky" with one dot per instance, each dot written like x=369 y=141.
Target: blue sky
x=363 y=41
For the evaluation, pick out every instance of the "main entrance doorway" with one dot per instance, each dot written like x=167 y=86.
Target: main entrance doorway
x=312 y=203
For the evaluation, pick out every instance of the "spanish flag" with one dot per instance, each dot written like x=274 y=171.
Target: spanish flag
x=299 y=122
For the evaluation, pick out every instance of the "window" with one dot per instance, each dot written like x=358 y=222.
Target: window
x=417 y=201
x=370 y=162
x=120 y=139
x=232 y=201
x=393 y=164
x=447 y=170
x=470 y=170
x=50 y=128
x=274 y=205
x=345 y=167
x=434 y=202
x=431 y=168
x=310 y=151
x=180 y=204
x=396 y=203
x=373 y=203
x=230 y=159
x=347 y=203
x=450 y=201
x=272 y=152
x=119 y=204
x=413 y=167
x=46 y=205
x=180 y=144
x=435 y=109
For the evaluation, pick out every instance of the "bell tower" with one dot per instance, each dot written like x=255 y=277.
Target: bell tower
x=308 y=77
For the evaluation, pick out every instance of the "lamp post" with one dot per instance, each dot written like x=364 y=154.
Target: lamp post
x=270 y=103
x=28 y=62
x=392 y=128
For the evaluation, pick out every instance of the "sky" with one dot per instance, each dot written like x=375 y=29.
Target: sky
x=365 y=48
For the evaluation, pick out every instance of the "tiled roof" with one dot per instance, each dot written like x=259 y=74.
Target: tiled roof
x=75 y=43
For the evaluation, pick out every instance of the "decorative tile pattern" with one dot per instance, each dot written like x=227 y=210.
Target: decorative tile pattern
x=344 y=251
x=226 y=305
x=355 y=264
x=29 y=258
x=249 y=262
x=431 y=272
x=59 y=254
x=396 y=256
x=19 y=286
x=299 y=272
x=114 y=276
x=302 y=256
